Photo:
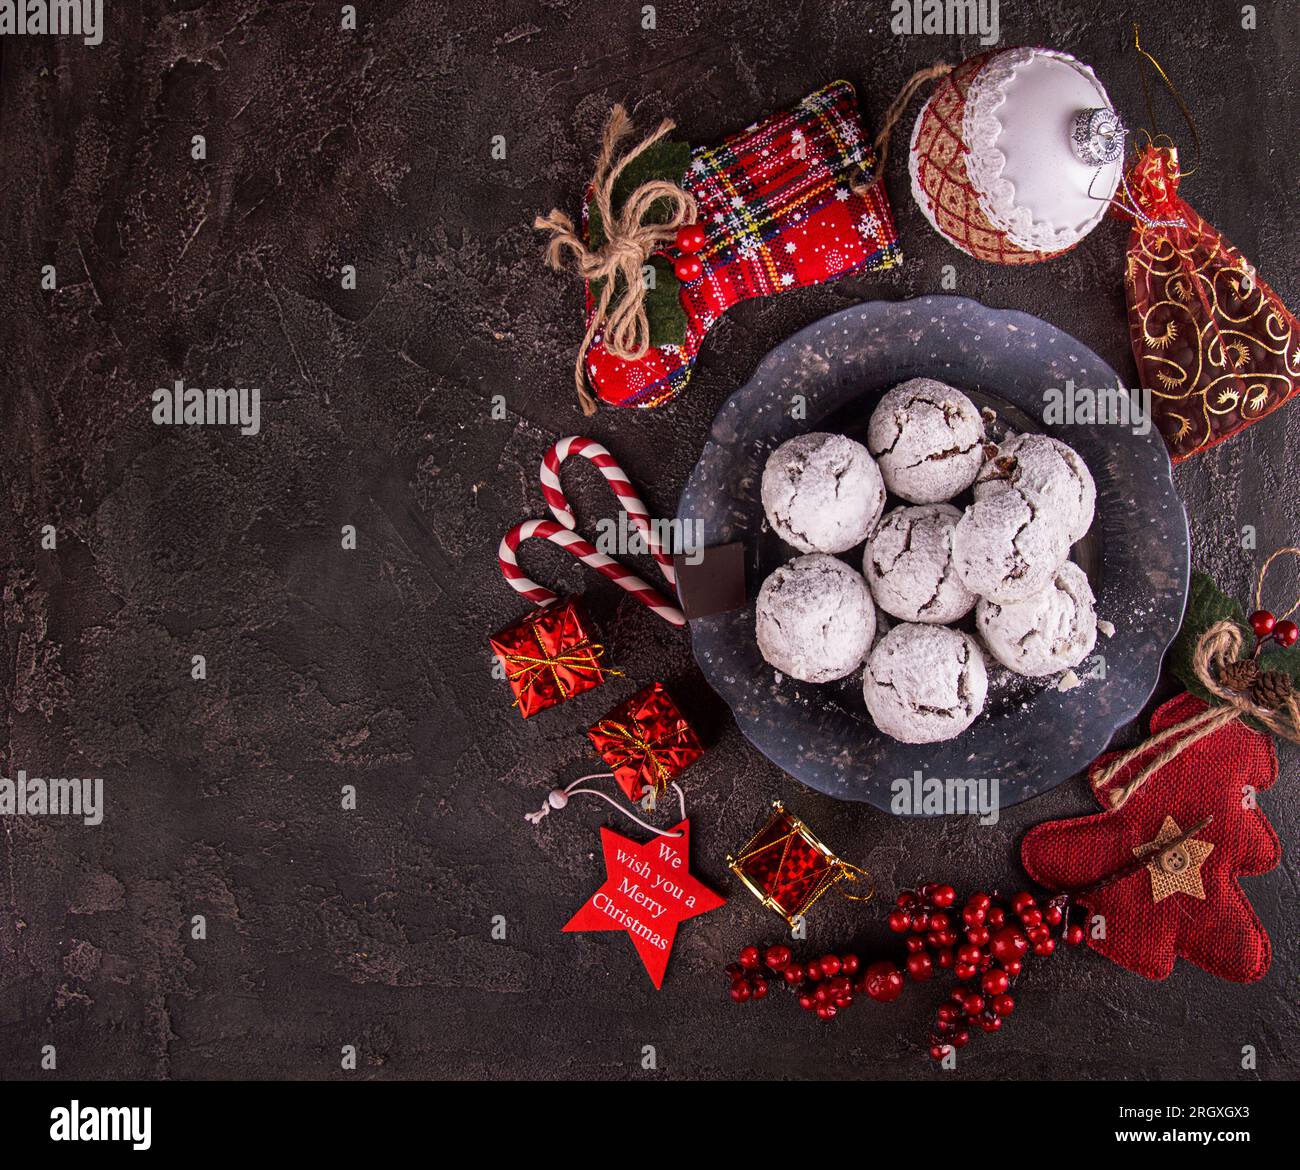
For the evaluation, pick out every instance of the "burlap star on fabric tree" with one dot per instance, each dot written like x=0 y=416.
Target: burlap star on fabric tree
x=1175 y=862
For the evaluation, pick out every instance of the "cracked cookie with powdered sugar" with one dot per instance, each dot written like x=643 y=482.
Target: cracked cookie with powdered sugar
x=1047 y=470
x=822 y=492
x=908 y=564
x=928 y=439
x=1051 y=631
x=924 y=684
x=815 y=619
x=1009 y=546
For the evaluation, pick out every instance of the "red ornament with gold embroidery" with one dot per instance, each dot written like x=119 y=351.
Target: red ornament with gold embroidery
x=788 y=868
x=646 y=741
x=1214 y=344
x=550 y=656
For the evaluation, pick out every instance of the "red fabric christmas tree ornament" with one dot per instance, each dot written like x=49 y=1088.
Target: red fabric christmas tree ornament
x=1186 y=900
x=1213 y=343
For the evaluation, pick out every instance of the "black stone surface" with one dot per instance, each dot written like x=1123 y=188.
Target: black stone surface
x=370 y=667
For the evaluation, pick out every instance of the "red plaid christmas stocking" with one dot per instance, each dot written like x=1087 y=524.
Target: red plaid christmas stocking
x=779 y=210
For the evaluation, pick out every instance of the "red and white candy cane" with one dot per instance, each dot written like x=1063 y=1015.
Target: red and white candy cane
x=617 y=479
x=561 y=532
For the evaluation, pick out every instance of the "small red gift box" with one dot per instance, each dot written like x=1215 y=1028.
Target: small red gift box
x=646 y=741
x=550 y=656
x=787 y=868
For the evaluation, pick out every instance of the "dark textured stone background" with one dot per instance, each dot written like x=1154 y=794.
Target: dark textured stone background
x=370 y=667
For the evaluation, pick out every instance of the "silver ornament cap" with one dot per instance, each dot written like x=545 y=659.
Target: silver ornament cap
x=1097 y=136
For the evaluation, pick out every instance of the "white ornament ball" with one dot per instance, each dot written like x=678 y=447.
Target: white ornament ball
x=994 y=161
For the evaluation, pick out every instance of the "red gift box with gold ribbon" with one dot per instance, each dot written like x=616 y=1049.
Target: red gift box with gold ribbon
x=646 y=741
x=550 y=656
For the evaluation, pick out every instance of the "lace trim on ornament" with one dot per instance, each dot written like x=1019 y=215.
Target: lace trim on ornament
x=981 y=129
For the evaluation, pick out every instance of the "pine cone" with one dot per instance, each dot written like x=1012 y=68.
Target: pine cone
x=1272 y=689
x=1240 y=675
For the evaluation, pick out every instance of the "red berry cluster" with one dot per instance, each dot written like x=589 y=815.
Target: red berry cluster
x=825 y=986
x=1267 y=628
x=690 y=239
x=989 y=939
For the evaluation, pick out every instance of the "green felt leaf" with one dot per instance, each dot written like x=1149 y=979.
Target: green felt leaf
x=664 y=160
x=1287 y=661
x=663 y=305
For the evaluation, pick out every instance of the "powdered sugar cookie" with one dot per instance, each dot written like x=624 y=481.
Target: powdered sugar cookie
x=924 y=684
x=1048 y=632
x=815 y=619
x=908 y=564
x=928 y=439
x=822 y=493
x=1047 y=470
x=1008 y=547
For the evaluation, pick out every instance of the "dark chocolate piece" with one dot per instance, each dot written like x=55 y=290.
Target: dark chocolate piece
x=715 y=583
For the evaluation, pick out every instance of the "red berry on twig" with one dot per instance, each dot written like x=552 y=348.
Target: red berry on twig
x=994 y=982
x=1008 y=945
x=943 y=897
x=1262 y=622
x=920 y=966
x=690 y=238
x=687 y=269
x=777 y=958
x=884 y=981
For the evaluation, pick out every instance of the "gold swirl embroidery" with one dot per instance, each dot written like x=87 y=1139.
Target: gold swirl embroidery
x=1163 y=339
x=1244 y=358
x=1238 y=353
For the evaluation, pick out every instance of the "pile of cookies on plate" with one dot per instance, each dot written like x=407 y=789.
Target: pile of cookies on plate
x=927 y=562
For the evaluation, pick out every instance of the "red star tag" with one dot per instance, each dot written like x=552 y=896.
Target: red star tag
x=648 y=890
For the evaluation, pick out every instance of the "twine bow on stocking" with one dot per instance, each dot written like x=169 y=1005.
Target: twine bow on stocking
x=1216 y=659
x=632 y=234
